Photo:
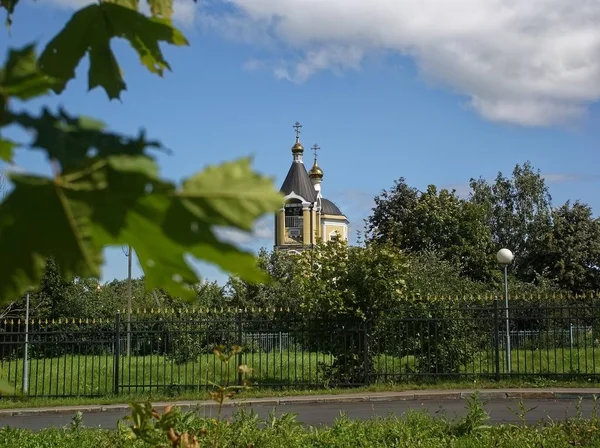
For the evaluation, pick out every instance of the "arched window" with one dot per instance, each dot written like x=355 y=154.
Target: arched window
x=293 y=219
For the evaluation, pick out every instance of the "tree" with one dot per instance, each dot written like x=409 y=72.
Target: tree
x=106 y=189
x=344 y=289
x=518 y=213
x=433 y=220
x=572 y=254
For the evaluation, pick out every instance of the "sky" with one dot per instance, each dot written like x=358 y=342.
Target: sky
x=435 y=91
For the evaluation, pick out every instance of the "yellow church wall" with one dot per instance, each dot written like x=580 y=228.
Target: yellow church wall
x=329 y=228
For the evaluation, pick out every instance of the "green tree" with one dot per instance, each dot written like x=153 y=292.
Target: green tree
x=433 y=220
x=572 y=254
x=344 y=289
x=105 y=188
x=519 y=215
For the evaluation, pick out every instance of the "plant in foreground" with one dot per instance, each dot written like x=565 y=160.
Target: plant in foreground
x=159 y=430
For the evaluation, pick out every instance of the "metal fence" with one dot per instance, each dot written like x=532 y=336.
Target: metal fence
x=171 y=352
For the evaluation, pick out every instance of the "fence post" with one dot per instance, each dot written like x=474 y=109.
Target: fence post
x=240 y=343
x=571 y=336
x=366 y=362
x=117 y=353
x=497 y=338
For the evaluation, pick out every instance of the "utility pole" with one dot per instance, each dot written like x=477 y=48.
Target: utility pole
x=129 y=292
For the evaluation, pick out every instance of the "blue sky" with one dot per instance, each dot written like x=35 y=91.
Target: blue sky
x=386 y=88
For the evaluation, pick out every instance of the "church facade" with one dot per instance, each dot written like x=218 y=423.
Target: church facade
x=306 y=216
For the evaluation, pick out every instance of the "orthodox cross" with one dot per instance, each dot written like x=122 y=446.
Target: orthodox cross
x=315 y=148
x=297 y=127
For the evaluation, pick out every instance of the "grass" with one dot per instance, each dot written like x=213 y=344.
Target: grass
x=245 y=429
x=90 y=379
x=38 y=402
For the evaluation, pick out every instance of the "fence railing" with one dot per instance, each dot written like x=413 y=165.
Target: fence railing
x=171 y=352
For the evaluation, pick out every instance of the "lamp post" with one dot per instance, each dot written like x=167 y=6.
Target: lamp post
x=506 y=257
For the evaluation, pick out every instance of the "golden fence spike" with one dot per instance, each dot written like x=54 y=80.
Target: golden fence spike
x=19 y=321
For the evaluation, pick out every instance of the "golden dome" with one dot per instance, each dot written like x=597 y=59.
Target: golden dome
x=297 y=148
x=316 y=172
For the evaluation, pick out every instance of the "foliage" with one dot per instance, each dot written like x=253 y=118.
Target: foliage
x=105 y=188
x=572 y=249
x=433 y=220
x=154 y=429
x=415 y=428
x=518 y=214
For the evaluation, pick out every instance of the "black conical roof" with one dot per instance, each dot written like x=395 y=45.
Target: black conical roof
x=297 y=181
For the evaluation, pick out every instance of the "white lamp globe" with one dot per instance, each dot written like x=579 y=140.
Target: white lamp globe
x=505 y=256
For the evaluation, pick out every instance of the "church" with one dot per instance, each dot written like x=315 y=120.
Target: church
x=306 y=216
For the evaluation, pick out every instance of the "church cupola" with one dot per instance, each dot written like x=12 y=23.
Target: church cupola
x=316 y=173
x=297 y=149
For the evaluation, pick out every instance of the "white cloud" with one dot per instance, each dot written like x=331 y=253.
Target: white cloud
x=532 y=62
x=184 y=11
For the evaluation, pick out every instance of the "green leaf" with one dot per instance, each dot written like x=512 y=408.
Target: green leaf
x=21 y=76
x=230 y=194
x=161 y=8
x=91 y=29
x=9 y=5
x=141 y=211
x=6 y=149
x=38 y=219
x=71 y=140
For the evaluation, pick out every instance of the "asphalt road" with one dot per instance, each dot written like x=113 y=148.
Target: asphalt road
x=326 y=413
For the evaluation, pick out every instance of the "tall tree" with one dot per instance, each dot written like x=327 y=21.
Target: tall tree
x=434 y=220
x=518 y=213
x=572 y=254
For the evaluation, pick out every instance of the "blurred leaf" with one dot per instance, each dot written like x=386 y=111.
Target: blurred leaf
x=90 y=31
x=6 y=149
x=9 y=5
x=230 y=194
x=21 y=76
x=72 y=140
x=38 y=219
x=161 y=8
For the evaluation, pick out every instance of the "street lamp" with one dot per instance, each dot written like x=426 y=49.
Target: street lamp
x=506 y=257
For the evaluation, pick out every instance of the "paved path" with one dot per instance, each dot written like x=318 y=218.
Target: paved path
x=326 y=413
x=315 y=410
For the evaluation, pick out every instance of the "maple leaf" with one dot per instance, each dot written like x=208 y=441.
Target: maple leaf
x=71 y=140
x=138 y=209
x=6 y=149
x=9 y=5
x=91 y=30
x=161 y=8
x=230 y=194
x=21 y=76
x=37 y=219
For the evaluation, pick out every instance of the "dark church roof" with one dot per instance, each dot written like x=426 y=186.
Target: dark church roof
x=297 y=180
x=329 y=208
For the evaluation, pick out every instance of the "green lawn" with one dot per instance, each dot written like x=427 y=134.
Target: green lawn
x=94 y=375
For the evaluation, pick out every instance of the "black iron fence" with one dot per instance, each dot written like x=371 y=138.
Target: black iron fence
x=171 y=352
